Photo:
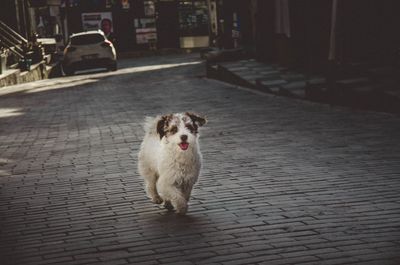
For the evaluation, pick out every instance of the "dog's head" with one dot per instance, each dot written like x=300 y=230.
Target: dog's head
x=180 y=128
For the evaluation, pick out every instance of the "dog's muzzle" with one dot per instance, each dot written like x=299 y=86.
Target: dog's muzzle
x=184 y=146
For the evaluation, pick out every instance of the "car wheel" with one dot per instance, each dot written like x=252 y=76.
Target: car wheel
x=113 y=67
x=68 y=71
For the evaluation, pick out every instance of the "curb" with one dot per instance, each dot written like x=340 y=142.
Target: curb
x=37 y=72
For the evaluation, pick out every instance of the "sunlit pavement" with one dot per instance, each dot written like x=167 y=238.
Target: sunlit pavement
x=284 y=181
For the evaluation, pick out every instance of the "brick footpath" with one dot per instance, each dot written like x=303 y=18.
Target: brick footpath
x=284 y=181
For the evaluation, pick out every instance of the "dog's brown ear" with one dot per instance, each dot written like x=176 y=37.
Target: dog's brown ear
x=200 y=121
x=161 y=124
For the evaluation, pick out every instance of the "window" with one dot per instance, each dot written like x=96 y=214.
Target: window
x=193 y=18
x=87 y=39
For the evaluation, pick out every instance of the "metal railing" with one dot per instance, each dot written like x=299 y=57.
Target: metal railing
x=11 y=40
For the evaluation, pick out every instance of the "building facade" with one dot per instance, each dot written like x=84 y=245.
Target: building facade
x=142 y=24
x=311 y=34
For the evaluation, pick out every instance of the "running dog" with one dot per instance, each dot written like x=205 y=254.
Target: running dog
x=170 y=158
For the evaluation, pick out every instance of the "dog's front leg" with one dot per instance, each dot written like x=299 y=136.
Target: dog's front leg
x=186 y=191
x=151 y=188
x=179 y=202
x=171 y=193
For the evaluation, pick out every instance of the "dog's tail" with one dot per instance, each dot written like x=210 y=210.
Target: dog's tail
x=150 y=125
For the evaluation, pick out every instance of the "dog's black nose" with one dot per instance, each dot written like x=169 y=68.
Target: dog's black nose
x=184 y=137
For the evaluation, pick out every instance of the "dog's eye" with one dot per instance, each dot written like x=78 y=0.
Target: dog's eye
x=192 y=128
x=173 y=129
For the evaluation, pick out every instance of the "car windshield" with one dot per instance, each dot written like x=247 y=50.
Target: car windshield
x=87 y=39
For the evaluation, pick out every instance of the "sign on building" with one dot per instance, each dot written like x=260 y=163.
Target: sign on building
x=98 y=20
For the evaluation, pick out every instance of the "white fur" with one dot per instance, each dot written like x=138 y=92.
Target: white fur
x=169 y=172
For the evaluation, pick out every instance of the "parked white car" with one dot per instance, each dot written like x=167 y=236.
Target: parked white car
x=89 y=49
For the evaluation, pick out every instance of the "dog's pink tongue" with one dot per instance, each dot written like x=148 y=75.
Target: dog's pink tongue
x=184 y=146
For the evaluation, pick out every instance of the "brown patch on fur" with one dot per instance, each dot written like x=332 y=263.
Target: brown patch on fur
x=196 y=119
x=172 y=130
x=162 y=124
x=192 y=128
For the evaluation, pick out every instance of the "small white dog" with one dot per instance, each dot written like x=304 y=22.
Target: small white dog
x=170 y=158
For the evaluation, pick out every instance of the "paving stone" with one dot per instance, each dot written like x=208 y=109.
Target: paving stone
x=352 y=81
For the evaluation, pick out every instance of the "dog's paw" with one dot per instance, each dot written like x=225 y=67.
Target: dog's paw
x=168 y=205
x=157 y=200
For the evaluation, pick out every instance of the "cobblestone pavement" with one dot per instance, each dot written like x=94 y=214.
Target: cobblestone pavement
x=284 y=181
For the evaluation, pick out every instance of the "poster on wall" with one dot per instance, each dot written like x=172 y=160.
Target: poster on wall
x=144 y=36
x=98 y=20
x=146 y=31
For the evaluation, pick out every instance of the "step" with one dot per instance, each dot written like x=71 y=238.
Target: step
x=293 y=76
x=275 y=89
x=231 y=64
x=268 y=71
x=393 y=93
x=316 y=81
x=363 y=89
x=294 y=85
x=251 y=77
x=297 y=93
x=272 y=82
x=382 y=72
x=295 y=89
x=237 y=68
x=352 y=81
x=253 y=64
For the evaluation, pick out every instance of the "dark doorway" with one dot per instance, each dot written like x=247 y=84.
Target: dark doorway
x=167 y=24
x=124 y=30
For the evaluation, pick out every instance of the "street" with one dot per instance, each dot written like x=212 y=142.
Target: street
x=284 y=181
